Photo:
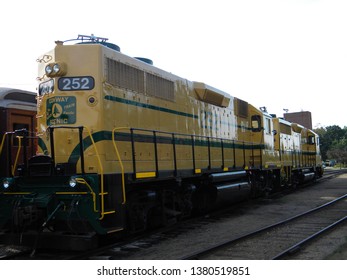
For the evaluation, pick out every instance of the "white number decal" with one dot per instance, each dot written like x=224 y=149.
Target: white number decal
x=85 y=83
x=76 y=83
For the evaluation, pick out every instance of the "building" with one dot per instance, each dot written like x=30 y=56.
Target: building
x=304 y=118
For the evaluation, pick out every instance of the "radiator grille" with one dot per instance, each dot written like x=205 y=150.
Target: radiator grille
x=128 y=77
x=159 y=87
x=125 y=76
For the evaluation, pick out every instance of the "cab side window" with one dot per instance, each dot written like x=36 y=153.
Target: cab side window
x=256 y=123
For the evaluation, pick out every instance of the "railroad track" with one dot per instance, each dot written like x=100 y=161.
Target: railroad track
x=332 y=173
x=281 y=239
x=125 y=248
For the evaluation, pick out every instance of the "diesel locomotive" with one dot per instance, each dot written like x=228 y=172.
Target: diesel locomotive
x=123 y=145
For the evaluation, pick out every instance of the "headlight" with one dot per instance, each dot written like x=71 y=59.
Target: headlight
x=7 y=183
x=48 y=69
x=72 y=182
x=56 y=69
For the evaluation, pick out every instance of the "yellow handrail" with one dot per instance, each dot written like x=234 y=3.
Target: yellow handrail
x=2 y=142
x=17 y=156
x=13 y=168
x=102 y=193
x=120 y=160
x=84 y=182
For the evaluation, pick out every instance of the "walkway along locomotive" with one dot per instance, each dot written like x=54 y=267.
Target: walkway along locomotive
x=123 y=145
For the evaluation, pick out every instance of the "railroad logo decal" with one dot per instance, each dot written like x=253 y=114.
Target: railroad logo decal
x=61 y=110
x=57 y=110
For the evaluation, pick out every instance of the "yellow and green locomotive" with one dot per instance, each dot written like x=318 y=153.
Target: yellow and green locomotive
x=123 y=145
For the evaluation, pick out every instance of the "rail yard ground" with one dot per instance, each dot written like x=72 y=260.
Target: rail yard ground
x=257 y=214
x=336 y=243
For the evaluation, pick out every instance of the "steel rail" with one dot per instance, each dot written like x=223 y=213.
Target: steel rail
x=199 y=254
x=298 y=245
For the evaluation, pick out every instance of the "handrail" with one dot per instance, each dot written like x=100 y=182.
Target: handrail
x=193 y=138
x=84 y=182
x=17 y=155
x=20 y=146
x=102 y=193
x=13 y=168
x=2 y=142
x=120 y=160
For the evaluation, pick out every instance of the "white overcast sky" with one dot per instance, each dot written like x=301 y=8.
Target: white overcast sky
x=284 y=54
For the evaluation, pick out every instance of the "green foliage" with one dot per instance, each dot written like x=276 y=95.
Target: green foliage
x=333 y=142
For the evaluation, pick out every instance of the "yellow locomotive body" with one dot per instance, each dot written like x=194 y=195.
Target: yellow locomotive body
x=133 y=99
x=130 y=94
x=129 y=145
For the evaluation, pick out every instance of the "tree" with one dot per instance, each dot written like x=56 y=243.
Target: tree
x=333 y=143
x=324 y=144
x=338 y=150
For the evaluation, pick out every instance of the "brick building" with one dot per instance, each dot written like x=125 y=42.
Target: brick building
x=304 y=118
